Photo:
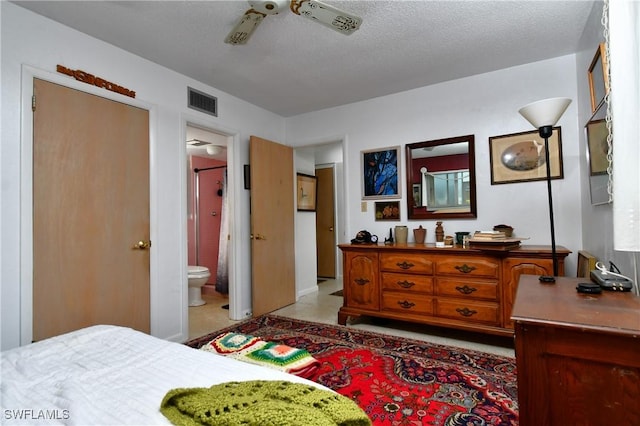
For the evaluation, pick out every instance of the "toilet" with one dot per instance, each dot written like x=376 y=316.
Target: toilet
x=198 y=276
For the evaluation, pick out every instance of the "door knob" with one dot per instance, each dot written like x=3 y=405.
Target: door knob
x=142 y=245
x=331 y=229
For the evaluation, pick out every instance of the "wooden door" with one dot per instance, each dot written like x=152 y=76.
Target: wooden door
x=325 y=224
x=272 y=226
x=90 y=208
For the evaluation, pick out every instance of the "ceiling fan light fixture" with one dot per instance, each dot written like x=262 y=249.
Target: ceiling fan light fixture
x=317 y=11
x=270 y=7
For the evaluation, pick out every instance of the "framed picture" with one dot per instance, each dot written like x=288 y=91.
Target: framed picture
x=307 y=194
x=598 y=147
x=520 y=157
x=598 y=77
x=586 y=263
x=380 y=171
x=387 y=210
x=417 y=194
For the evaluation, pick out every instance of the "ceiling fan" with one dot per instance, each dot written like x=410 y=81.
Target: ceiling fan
x=322 y=13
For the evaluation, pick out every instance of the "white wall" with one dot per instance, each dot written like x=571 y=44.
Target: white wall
x=597 y=229
x=484 y=105
x=597 y=232
x=40 y=44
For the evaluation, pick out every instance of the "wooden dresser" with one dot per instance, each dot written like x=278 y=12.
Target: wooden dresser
x=450 y=287
x=577 y=355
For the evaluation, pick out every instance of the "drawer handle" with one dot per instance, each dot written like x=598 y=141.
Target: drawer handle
x=361 y=281
x=466 y=312
x=406 y=284
x=405 y=265
x=466 y=289
x=406 y=304
x=465 y=269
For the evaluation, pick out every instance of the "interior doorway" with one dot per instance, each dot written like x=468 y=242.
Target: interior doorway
x=328 y=155
x=325 y=222
x=209 y=214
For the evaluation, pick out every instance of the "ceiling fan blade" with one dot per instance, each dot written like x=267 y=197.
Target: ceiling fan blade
x=327 y=15
x=245 y=27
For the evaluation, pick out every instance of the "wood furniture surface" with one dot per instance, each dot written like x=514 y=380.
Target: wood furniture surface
x=453 y=287
x=577 y=355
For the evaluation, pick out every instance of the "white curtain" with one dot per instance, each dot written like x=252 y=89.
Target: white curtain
x=222 y=279
x=624 y=51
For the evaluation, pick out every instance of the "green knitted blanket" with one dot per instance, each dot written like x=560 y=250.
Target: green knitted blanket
x=261 y=403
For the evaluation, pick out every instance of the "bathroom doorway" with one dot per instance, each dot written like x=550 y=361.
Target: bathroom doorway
x=208 y=214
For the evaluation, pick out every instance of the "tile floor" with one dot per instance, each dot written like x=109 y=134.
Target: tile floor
x=323 y=307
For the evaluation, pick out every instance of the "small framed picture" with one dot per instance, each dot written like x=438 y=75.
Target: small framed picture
x=597 y=144
x=307 y=194
x=380 y=171
x=598 y=77
x=417 y=194
x=387 y=210
x=586 y=263
x=520 y=157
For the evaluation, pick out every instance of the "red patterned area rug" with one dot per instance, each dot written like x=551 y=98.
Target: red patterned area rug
x=398 y=381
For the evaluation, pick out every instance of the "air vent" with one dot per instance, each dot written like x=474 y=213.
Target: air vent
x=202 y=102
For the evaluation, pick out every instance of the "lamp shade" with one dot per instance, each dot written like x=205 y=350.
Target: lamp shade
x=546 y=112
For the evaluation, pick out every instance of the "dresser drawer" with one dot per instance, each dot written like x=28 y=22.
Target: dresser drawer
x=485 y=267
x=484 y=312
x=407 y=302
x=463 y=288
x=408 y=282
x=400 y=262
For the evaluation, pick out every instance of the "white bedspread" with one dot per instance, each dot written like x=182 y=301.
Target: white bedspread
x=107 y=375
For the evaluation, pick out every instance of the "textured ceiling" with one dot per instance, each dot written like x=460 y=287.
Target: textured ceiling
x=292 y=65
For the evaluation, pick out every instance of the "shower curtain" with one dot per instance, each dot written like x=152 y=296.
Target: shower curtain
x=222 y=279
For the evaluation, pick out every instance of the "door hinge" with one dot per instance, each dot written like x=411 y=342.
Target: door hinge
x=33 y=103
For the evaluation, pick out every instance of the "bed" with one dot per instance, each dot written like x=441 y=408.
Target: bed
x=110 y=375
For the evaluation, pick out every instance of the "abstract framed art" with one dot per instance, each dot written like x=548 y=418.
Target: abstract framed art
x=380 y=171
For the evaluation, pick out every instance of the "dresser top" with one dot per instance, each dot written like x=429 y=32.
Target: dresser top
x=561 y=305
x=522 y=251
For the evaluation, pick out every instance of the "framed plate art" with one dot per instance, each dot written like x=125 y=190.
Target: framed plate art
x=380 y=170
x=520 y=157
x=307 y=194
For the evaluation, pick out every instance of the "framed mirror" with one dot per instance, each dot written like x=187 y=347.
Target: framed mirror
x=441 y=179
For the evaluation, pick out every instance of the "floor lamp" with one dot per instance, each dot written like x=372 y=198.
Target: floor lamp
x=543 y=115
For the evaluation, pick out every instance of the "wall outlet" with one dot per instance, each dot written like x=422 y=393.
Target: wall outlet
x=363 y=207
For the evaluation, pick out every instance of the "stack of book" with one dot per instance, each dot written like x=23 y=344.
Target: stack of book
x=492 y=240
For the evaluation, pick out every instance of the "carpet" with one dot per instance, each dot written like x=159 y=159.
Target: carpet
x=398 y=381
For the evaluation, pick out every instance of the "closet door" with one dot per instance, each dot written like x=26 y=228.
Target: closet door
x=90 y=212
